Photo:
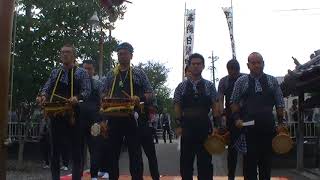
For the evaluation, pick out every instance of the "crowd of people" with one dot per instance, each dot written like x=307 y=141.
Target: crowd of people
x=248 y=98
x=71 y=132
x=240 y=98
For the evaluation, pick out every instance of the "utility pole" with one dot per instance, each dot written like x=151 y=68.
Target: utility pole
x=6 y=18
x=110 y=27
x=96 y=22
x=212 y=68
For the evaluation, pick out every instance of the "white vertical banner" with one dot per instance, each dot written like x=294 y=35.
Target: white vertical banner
x=229 y=15
x=188 y=38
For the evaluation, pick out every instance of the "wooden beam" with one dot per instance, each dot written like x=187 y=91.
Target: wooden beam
x=6 y=17
x=311 y=81
x=300 y=134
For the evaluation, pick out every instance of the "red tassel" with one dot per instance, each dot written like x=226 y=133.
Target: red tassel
x=117 y=2
x=106 y=3
x=109 y=3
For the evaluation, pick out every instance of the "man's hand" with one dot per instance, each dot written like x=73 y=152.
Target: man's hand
x=239 y=123
x=73 y=100
x=280 y=126
x=104 y=129
x=281 y=123
x=281 y=120
x=136 y=100
x=178 y=131
x=38 y=99
x=41 y=100
x=214 y=131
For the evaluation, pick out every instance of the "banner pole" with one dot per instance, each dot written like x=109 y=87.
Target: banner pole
x=183 y=41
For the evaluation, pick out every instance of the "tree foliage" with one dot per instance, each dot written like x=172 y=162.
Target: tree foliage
x=158 y=75
x=43 y=26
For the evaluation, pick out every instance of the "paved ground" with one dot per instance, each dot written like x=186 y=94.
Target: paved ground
x=168 y=158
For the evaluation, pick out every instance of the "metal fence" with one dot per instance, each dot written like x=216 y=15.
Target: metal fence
x=160 y=134
x=311 y=129
x=17 y=130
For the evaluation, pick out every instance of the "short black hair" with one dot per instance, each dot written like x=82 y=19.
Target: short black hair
x=294 y=101
x=195 y=55
x=88 y=61
x=69 y=44
x=186 y=69
x=233 y=64
x=125 y=45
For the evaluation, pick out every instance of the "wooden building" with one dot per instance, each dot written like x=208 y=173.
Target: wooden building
x=303 y=80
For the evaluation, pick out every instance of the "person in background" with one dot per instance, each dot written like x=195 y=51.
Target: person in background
x=294 y=110
x=90 y=113
x=225 y=89
x=166 y=125
x=44 y=142
x=154 y=125
x=146 y=137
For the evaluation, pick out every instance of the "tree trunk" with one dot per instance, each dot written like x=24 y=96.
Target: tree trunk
x=23 y=129
x=6 y=15
x=20 y=152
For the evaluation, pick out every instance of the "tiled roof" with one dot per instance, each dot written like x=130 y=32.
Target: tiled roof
x=304 y=77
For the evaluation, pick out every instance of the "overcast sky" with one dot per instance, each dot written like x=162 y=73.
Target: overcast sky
x=278 y=29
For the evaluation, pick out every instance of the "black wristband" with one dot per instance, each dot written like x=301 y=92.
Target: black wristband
x=235 y=115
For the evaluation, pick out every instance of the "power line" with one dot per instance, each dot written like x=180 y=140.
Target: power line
x=296 y=9
x=212 y=67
